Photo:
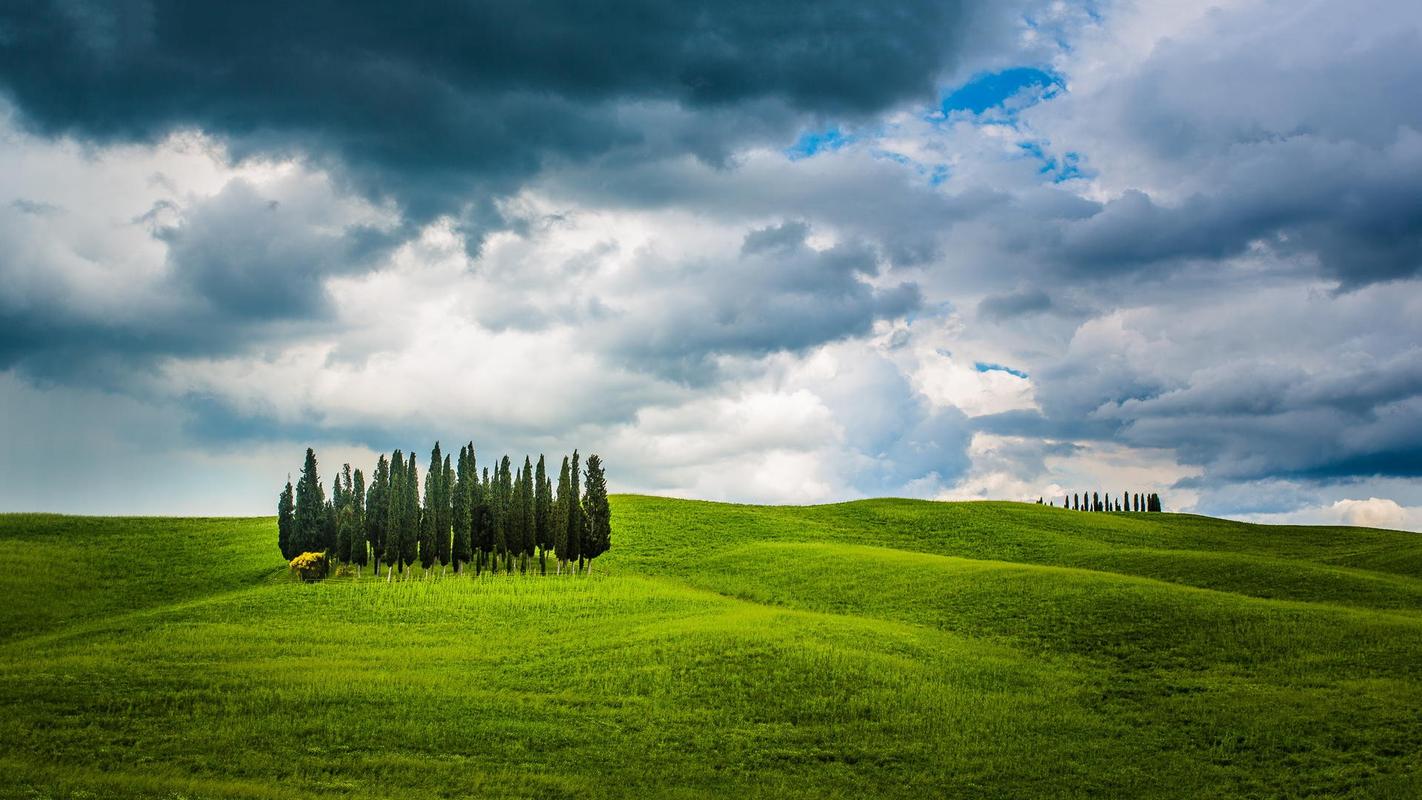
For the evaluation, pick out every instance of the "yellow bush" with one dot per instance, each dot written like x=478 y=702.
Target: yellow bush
x=310 y=567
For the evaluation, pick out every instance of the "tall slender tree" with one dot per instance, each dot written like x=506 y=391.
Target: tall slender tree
x=286 y=522
x=428 y=517
x=559 y=517
x=395 y=515
x=358 y=554
x=310 y=511
x=517 y=520
x=345 y=514
x=528 y=535
x=504 y=500
x=542 y=509
x=443 y=523
x=377 y=511
x=460 y=548
x=410 y=537
x=597 y=512
x=331 y=530
x=575 y=516
x=485 y=523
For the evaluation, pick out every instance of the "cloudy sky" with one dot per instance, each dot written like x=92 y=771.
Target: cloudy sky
x=789 y=252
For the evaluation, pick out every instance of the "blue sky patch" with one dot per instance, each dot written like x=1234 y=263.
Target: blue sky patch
x=985 y=366
x=812 y=143
x=991 y=89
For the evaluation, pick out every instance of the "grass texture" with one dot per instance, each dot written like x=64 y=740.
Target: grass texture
x=883 y=648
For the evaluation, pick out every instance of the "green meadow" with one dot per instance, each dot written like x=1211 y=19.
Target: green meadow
x=884 y=648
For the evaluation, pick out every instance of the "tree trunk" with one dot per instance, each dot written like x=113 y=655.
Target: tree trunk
x=589 y=566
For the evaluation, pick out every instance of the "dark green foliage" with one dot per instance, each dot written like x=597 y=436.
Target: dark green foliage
x=596 y=512
x=484 y=521
x=516 y=519
x=503 y=500
x=344 y=506
x=395 y=512
x=528 y=539
x=494 y=520
x=377 y=511
x=428 y=514
x=358 y=554
x=558 y=517
x=410 y=508
x=1153 y=502
x=310 y=511
x=542 y=513
x=286 y=522
x=445 y=520
x=574 y=542
x=461 y=544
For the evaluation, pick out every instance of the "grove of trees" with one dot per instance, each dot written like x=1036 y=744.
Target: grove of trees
x=463 y=519
x=1096 y=501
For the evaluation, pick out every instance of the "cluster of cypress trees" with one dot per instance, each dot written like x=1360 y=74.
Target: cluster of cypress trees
x=1101 y=502
x=463 y=516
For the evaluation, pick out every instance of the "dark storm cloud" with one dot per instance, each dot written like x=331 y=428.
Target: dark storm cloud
x=1233 y=144
x=777 y=294
x=1362 y=220
x=249 y=257
x=425 y=101
x=243 y=270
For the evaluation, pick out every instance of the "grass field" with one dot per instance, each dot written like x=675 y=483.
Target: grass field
x=882 y=648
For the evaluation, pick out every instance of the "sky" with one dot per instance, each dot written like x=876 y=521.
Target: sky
x=780 y=253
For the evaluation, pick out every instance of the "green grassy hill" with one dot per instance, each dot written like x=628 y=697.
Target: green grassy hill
x=884 y=648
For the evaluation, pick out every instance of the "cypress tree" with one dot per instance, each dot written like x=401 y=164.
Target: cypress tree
x=394 y=515
x=345 y=515
x=542 y=508
x=486 y=521
x=329 y=532
x=310 y=511
x=460 y=546
x=344 y=523
x=410 y=534
x=517 y=520
x=529 y=537
x=444 y=545
x=597 y=512
x=503 y=501
x=286 y=521
x=575 y=516
x=558 y=518
x=428 y=516
x=358 y=554
x=377 y=510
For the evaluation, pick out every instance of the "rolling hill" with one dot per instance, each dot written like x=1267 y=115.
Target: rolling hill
x=884 y=648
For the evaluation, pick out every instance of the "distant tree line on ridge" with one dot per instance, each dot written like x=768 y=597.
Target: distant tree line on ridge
x=1099 y=502
x=464 y=518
